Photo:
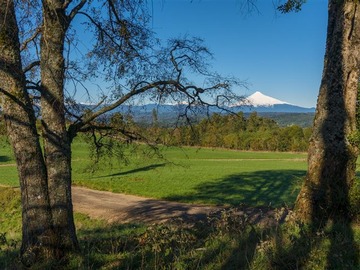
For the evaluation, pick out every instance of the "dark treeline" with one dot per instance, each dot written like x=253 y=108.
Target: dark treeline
x=234 y=132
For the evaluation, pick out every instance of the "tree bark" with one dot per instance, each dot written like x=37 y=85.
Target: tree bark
x=37 y=232
x=333 y=150
x=56 y=142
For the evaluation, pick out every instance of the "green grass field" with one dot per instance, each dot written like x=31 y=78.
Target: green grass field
x=191 y=175
x=211 y=176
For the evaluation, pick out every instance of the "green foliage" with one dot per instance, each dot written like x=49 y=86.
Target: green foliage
x=162 y=246
x=304 y=120
x=354 y=138
x=10 y=226
x=9 y=210
x=254 y=133
x=291 y=5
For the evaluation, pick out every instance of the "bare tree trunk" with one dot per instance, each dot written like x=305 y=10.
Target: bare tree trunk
x=56 y=142
x=333 y=151
x=37 y=233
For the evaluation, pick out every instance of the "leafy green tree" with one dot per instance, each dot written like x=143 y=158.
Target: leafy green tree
x=36 y=63
x=253 y=122
x=237 y=132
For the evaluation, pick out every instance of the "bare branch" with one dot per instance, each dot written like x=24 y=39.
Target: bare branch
x=75 y=10
x=30 y=39
x=124 y=99
x=31 y=66
x=13 y=98
x=66 y=4
x=99 y=27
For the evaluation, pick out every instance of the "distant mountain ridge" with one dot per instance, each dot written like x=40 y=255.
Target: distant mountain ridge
x=259 y=99
x=262 y=103
x=256 y=102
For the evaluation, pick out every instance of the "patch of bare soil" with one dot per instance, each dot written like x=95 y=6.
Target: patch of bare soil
x=121 y=208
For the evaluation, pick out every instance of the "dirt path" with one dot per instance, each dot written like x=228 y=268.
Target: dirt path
x=121 y=208
x=8 y=165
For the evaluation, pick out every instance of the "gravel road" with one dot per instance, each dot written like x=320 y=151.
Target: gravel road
x=121 y=208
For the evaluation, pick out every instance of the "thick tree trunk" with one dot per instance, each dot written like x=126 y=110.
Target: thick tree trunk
x=37 y=233
x=56 y=141
x=333 y=151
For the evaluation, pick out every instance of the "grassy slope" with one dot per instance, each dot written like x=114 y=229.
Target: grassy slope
x=211 y=176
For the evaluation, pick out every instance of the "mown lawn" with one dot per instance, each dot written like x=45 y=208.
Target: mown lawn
x=206 y=176
x=212 y=176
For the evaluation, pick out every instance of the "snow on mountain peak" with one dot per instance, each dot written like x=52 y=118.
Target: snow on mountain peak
x=259 y=99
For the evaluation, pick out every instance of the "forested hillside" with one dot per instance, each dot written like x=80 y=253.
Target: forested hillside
x=170 y=116
x=288 y=119
x=234 y=132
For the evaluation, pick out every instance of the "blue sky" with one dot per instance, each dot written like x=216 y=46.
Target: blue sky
x=279 y=55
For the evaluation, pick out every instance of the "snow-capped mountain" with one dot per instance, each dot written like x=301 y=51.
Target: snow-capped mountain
x=259 y=99
x=262 y=103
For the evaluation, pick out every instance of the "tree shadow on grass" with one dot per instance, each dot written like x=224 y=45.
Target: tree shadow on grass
x=260 y=188
x=142 y=169
x=9 y=259
x=154 y=211
x=4 y=158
